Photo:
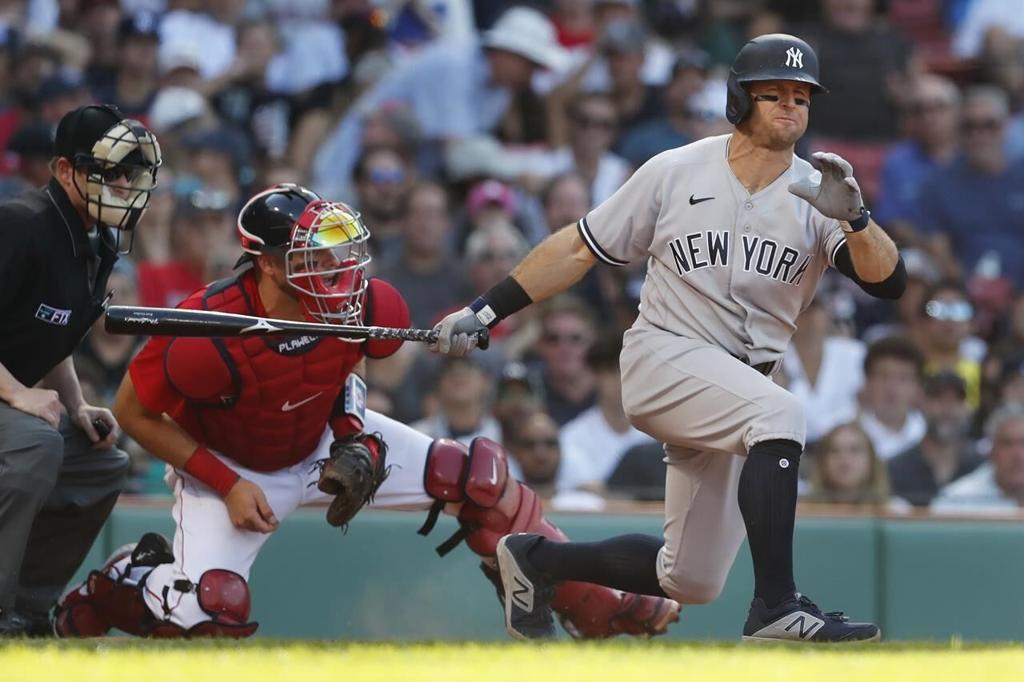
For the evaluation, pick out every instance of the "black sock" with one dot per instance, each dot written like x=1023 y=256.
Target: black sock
x=767 y=497
x=627 y=562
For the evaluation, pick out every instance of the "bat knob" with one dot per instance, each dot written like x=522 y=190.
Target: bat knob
x=483 y=339
x=102 y=428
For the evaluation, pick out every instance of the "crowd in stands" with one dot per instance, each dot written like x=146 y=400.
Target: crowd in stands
x=465 y=131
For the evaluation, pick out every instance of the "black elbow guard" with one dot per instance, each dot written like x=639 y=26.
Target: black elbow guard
x=892 y=287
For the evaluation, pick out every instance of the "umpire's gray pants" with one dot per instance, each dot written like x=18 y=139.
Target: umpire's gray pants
x=55 y=493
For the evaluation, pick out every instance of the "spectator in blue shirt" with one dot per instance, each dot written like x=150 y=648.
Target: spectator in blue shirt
x=975 y=207
x=931 y=118
x=455 y=90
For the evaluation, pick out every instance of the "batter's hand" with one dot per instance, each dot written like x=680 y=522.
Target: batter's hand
x=85 y=418
x=38 y=402
x=249 y=509
x=833 y=190
x=458 y=333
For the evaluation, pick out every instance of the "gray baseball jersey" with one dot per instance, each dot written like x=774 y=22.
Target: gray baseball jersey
x=724 y=266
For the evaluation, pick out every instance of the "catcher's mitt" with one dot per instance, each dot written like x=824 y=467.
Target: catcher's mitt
x=352 y=474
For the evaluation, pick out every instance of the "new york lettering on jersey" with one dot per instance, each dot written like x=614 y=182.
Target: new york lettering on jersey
x=761 y=255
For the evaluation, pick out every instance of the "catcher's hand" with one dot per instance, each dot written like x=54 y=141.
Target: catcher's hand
x=352 y=475
x=833 y=190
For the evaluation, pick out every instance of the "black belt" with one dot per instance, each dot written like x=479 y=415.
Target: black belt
x=764 y=368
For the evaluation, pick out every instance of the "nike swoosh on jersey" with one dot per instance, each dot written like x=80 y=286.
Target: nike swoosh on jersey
x=697 y=201
x=288 y=406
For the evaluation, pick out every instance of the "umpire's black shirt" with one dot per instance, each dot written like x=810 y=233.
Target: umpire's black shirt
x=53 y=279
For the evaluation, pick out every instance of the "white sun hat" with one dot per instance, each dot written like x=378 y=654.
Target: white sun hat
x=530 y=34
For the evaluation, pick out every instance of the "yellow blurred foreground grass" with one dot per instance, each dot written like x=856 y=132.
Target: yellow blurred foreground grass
x=113 y=660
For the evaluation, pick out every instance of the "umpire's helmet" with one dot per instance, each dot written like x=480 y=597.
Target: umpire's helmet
x=771 y=57
x=266 y=220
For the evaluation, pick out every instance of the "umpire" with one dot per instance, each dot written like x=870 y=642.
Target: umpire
x=60 y=473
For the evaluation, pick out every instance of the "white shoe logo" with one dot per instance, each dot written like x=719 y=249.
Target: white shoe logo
x=288 y=407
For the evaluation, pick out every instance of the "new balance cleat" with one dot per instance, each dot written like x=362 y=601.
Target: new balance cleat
x=528 y=593
x=800 y=620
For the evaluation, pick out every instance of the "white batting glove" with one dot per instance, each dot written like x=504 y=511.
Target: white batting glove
x=458 y=333
x=833 y=190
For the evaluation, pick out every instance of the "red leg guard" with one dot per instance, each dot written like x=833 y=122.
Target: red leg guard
x=495 y=505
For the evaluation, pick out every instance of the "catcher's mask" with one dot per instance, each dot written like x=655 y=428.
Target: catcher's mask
x=119 y=158
x=325 y=262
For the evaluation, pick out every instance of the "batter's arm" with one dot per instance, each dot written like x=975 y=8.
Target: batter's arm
x=873 y=253
x=554 y=265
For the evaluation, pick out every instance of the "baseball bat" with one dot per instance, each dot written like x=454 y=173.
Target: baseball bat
x=143 y=321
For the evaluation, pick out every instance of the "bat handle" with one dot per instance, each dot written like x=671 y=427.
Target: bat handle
x=483 y=337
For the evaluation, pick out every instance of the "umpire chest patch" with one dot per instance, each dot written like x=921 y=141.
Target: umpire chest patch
x=52 y=315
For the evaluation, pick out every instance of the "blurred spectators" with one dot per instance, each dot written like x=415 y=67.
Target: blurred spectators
x=133 y=84
x=463 y=397
x=975 y=207
x=567 y=330
x=893 y=369
x=383 y=176
x=623 y=45
x=982 y=18
x=823 y=371
x=998 y=485
x=29 y=151
x=946 y=452
x=516 y=395
x=674 y=126
x=848 y=471
x=598 y=438
x=424 y=271
x=864 y=63
x=640 y=474
x=930 y=120
x=943 y=334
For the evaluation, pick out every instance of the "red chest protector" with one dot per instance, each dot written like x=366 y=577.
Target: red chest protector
x=262 y=401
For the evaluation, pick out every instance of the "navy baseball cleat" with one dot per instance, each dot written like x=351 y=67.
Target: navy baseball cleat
x=528 y=593
x=800 y=620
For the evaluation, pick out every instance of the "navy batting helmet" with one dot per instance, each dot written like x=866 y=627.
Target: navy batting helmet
x=771 y=57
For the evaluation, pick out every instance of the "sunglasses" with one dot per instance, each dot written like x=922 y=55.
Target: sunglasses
x=981 y=124
x=949 y=311
x=386 y=176
x=538 y=442
x=574 y=339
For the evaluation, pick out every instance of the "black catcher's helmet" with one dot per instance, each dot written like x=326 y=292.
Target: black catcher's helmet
x=266 y=220
x=771 y=57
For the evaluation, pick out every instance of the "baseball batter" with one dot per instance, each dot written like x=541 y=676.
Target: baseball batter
x=737 y=232
x=253 y=427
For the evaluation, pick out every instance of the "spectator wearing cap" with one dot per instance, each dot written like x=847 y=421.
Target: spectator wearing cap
x=973 y=210
x=996 y=486
x=201 y=231
x=823 y=370
x=60 y=473
x=623 y=44
x=598 y=437
x=463 y=398
x=490 y=201
x=219 y=160
x=517 y=394
x=657 y=54
x=57 y=95
x=893 y=371
x=454 y=90
x=673 y=128
x=208 y=32
x=28 y=158
x=425 y=271
x=98 y=22
x=176 y=113
x=134 y=85
x=943 y=334
x=931 y=122
x=946 y=452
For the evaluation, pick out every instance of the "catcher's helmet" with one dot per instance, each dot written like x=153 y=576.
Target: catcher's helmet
x=266 y=220
x=771 y=57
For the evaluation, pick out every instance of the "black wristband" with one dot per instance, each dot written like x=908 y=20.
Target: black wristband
x=860 y=223
x=505 y=298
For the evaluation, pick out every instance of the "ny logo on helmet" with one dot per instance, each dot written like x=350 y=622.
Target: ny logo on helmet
x=795 y=58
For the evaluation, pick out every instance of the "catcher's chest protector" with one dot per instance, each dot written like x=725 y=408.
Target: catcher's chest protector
x=282 y=390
